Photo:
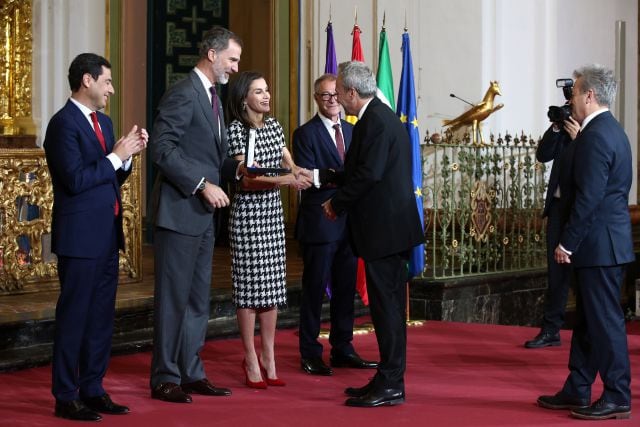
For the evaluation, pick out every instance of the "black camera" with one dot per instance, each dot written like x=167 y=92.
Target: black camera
x=559 y=114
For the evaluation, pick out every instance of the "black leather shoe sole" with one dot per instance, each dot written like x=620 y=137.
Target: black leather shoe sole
x=542 y=344
x=363 y=402
x=613 y=415
x=352 y=364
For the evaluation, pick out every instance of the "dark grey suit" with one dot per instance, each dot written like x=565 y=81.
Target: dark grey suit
x=186 y=145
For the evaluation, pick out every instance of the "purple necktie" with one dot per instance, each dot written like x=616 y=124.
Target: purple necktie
x=214 y=103
x=339 y=141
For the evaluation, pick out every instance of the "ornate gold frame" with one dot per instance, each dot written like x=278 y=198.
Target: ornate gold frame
x=25 y=183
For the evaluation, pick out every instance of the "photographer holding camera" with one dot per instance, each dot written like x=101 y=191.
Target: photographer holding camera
x=553 y=146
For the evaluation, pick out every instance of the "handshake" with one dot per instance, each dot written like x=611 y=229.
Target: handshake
x=300 y=178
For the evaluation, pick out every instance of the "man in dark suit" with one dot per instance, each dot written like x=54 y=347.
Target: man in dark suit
x=597 y=241
x=553 y=146
x=189 y=146
x=321 y=144
x=87 y=168
x=383 y=223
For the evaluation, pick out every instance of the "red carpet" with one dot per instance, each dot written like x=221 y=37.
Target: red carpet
x=457 y=375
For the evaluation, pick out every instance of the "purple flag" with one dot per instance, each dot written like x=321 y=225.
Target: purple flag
x=331 y=64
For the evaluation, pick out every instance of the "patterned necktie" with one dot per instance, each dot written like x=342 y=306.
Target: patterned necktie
x=339 y=141
x=98 y=131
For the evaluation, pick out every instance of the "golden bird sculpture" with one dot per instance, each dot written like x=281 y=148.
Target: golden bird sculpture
x=476 y=114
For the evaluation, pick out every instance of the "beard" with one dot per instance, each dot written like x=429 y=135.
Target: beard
x=221 y=77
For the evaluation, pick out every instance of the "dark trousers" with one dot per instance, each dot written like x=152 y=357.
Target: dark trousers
x=324 y=263
x=386 y=287
x=84 y=324
x=558 y=275
x=599 y=340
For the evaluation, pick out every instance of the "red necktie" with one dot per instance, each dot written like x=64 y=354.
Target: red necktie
x=96 y=128
x=339 y=141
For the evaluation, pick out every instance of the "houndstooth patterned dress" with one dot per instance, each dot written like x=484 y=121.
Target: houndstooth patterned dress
x=256 y=225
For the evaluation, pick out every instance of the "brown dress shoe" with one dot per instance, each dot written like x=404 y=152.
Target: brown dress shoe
x=204 y=387
x=170 y=392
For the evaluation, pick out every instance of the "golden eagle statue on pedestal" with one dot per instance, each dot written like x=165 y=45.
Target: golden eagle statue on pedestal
x=477 y=113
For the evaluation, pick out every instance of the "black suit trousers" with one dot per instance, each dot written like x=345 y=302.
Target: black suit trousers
x=324 y=263
x=599 y=340
x=386 y=287
x=558 y=275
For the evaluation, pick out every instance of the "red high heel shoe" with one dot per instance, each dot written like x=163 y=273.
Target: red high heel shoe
x=252 y=384
x=277 y=382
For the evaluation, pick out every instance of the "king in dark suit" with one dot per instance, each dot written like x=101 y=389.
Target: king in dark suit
x=597 y=241
x=320 y=145
x=189 y=148
x=87 y=168
x=383 y=223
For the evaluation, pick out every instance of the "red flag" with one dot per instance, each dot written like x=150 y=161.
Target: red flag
x=358 y=55
x=356 y=46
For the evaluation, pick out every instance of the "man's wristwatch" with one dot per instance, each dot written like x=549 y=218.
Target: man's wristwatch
x=201 y=186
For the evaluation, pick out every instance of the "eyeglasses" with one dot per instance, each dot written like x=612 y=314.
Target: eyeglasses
x=326 y=96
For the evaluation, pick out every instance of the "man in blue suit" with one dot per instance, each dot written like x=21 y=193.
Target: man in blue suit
x=87 y=168
x=597 y=241
x=320 y=145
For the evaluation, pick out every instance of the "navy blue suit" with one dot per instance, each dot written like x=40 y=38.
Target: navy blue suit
x=86 y=236
x=327 y=254
x=555 y=146
x=598 y=234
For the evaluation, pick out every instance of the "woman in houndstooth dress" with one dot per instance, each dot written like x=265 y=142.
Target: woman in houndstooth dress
x=256 y=225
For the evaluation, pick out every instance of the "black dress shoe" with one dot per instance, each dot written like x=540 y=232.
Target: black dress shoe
x=377 y=397
x=352 y=361
x=204 y=387
x=76 y=410
x=544 y=339
x=562 y=401
x=170 y=392
x=105 y=405
x=358 y=391
x=315 y=366
x=601 y=410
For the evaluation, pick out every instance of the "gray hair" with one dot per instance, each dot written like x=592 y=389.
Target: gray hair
x=328 y=76
x=217 y=38
x=357 y=75
x=601 y=80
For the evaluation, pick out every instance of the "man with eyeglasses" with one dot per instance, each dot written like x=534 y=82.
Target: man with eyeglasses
x=320 y=145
